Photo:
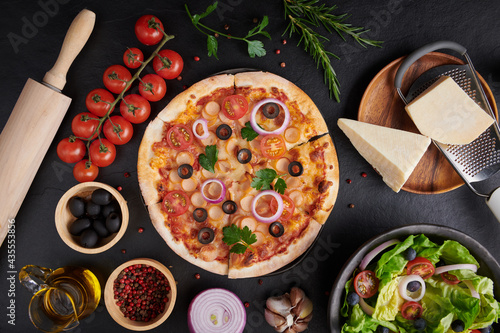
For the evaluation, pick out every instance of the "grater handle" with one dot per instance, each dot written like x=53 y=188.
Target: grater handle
x=494 y=203
x=418 y=53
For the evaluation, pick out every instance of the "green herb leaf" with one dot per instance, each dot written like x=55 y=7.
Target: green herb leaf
x=212 y=45
x=208 y=160
x=265 y=177
x=240 y=239
x=280 y=186
x=248 y=132
x=256 y=48
x=238 y=248
x=210 y=9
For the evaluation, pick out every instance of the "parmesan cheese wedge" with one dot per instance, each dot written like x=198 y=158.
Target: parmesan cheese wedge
x=393 y=153
x=445 y=113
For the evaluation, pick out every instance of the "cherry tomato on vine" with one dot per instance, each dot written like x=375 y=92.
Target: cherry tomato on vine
x=168 y=64
x=71 y=150
x=135 y=108
x=84 y=125
x=133 y=57
x=152 y=87
x=98 y=101
x=115 y=78
x=102 y=152
x=118 y=130
x=148 y=30
x=84 y=171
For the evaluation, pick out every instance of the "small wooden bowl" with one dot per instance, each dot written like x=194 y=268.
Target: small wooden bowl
x=64 y=218
x=114 y=310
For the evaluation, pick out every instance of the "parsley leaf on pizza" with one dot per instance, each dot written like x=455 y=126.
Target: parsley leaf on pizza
x=280 y=186
x=240 y=239
x=248 y=132
x=208 y=160
x=264 y=179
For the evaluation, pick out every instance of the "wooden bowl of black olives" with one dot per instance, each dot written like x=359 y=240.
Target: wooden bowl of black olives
x=91 y=217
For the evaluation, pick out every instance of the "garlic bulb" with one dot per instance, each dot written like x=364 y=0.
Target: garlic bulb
x=289 y=313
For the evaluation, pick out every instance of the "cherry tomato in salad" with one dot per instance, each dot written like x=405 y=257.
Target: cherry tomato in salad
x=135 y=108
x=133 y=57
x=98 y=101
x=449 y=278
x=273 y=146
x=149 y=30
x=366 y=284
x=288 y=206
x=102 y=152
x=420 y=266
x=176 y=203
x=152 y=87
x=411 y=310
x=115 y=78
x=71 y=150
x=234 y=107
x=118 y=130
x=84 y=171
x=85 y=125
x=179 y=137
x=168 y=64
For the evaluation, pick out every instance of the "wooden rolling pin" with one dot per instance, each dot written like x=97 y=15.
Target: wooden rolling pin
x=34 y=122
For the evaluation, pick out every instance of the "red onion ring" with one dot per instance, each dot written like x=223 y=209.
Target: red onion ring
x=216 y=310
x=447 y=268
x=222 y=193
x=261 y=131
x=403 y=284
x=204 y=123
x=373 y=253
x=366 y=308
x=473 y=291
x=279 y=210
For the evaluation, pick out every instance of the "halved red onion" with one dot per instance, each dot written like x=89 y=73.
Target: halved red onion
x=447 y=268
x=216 y=310
x=365 y=307
x=373 y=253
x=279 y=210
x=204 y=124
x=403 y=284
x=222 y=192
x=279 y=130
x=473 y=291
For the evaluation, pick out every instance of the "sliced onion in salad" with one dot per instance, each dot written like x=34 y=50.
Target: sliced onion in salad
x=473 y=291
x=373 y=253
x=204 y=124
x=403 y=284
x=222 y=194
x=366 y=308
x=279 y=209
x=448 y=268
x=256 y=108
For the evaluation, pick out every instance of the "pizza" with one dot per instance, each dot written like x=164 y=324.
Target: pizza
x=247 y=153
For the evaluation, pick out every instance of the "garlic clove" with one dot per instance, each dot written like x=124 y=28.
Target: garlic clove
x=274 y=319
x=299 y=326
x=281 y=328
x=303 y=309
x=306 y=319
x=279 y=304
x=296 y=295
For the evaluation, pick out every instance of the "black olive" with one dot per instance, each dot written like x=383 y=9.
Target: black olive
x=99 y=225
x=276 y=229
x=185 y=171
x=270 y=110
x=113 y=222
x=113 y=207
x=92 y=209
x=76 y=206
x=101 y=197
x=458 y=325
x=78 y=226
x=205 y=235
x=89 y=238
x=295 y=169
x=229 y=207
x=223 y=132
x=244 y=156
x=200 y=214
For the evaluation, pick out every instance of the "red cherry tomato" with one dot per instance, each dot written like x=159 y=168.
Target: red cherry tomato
x=234 y=106
x=84 y=125
x=115 y=78
x=288 y=205
x=273 y=146
x=176 y=203
x=152 y=87
x=71 y=150
x=133 y=57
x=411 y=310
x=102 y=152
x=420 y=266
x=148 y=30
x=98 y=101
x=118 y=130
x=135 y=108
x=475 y=331
x=449 y=278
x=366 y=284
x=168 y=64
x=84 y=171
x=179 y=137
